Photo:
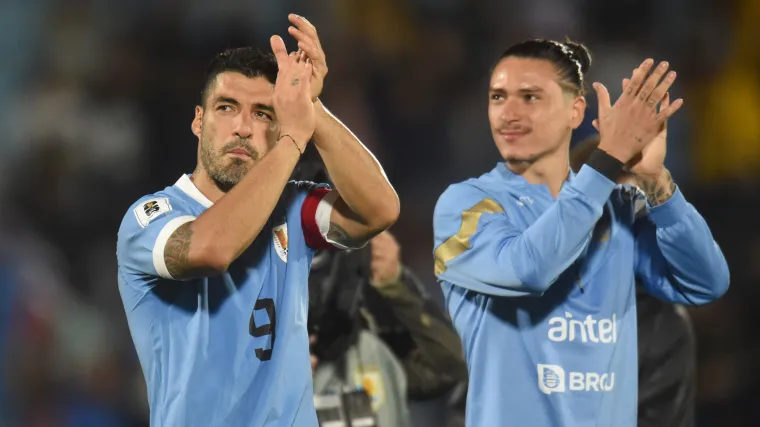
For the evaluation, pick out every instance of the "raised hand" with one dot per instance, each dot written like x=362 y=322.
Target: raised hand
x=651 y=161
x=634 y=121
x=385 y=266
x=308 y=42
x=292 y=94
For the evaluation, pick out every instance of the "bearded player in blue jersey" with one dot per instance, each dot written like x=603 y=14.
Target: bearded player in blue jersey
x=538 y=265
x=213 y=270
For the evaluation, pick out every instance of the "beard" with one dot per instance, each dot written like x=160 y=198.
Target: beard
x=225 y=175
x=526 y=160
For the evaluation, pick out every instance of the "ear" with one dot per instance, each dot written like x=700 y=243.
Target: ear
x=197 y=125
x=578 y=112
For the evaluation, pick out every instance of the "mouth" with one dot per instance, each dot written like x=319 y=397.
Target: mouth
x=513 y=134
x=240 y=152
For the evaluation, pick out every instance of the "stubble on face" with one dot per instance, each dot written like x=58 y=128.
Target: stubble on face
x=225 y=172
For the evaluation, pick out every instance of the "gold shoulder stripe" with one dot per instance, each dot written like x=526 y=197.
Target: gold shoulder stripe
x=460 y=242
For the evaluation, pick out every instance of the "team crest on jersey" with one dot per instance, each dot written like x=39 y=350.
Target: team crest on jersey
x=372 y=383
x=151 y=210
x=280 y=238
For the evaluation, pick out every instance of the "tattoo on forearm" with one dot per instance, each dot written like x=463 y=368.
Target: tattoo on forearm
x=660 y=190
x=338 y=234
x=177 y=250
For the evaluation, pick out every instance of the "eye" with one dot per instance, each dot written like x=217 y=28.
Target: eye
x=262 y=115
x=497 y=97
x=530 y=97
x=224 y=107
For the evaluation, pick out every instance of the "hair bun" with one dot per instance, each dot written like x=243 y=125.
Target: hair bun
x=579 y=53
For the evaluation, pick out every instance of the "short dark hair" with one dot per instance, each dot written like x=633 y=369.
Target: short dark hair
x=572 y=60
x=247 y=61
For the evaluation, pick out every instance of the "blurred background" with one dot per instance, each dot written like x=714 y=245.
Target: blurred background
x=96 y=100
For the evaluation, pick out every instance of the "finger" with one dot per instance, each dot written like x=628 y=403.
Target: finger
x=659 y=93
x=390 y=237
x=379 y=256
x=604 y=99
x=651 y=83
x=638 y=78
x=304 y=25
x=665 y=101
x=666 y=113
x=297 y=56
x=664 y=106
x=380 y=266
x=382 y=239
x=595 y=124
x=279 y=50
x=301 y=36
x=312 y=52
x=306 y=73
x=626 y=82
x=378 y=245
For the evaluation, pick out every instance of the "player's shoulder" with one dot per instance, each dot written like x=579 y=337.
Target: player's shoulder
x=480 y=193
x=150 y=207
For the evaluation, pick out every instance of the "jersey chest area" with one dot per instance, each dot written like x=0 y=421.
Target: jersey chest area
x=263 y=294
x=608 y=252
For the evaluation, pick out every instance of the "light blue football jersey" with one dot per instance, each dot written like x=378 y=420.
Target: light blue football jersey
x=542 y=291
x=230 y=350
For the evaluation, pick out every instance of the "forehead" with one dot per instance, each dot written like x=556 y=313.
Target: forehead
x=514 y=73
x=245 y=90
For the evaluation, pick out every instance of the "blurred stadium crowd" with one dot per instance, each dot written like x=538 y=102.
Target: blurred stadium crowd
x=96 y=100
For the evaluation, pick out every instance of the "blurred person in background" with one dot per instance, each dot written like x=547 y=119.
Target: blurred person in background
x=213 y=270
x=539 y=264
x=666 y=340
x=60 y=363
x=374 y=329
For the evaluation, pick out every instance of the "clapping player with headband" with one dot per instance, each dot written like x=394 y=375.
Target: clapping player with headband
x=538 y=264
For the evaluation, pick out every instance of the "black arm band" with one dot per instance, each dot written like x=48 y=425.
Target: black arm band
x=605 y=164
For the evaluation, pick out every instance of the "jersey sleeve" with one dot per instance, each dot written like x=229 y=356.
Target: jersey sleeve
x=477 y=246
x=315 y=216
x=143 y=234
x=677 y=259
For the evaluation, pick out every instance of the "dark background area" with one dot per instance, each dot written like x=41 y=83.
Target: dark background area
x=96 y=100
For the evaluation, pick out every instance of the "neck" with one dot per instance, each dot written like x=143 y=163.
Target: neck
x=206 y=185
x=551 y=170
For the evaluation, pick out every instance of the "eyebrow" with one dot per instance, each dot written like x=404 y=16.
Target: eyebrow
x=524 y=90
x=233 y=101
x=226 y=100
x=265 y=107
x=530 y=89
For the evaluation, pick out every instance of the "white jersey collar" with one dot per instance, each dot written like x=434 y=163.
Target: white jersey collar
x=186 y=185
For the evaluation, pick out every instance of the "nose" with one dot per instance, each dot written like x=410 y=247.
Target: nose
x=511 y=110
x=243 y=126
